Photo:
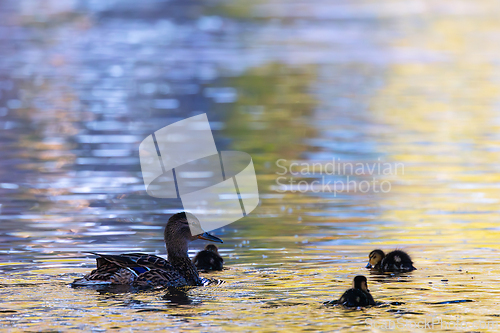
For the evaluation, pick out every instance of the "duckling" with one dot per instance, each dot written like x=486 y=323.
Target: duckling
x=141 y=270
x=209 y=259
x=395 y=261
x=358 y=295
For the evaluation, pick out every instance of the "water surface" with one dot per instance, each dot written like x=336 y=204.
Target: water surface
x=405 y=83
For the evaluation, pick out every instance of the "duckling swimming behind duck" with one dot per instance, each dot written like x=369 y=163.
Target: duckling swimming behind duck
x=395 y=261
x=358 y=295
x=209 y=259
x=141 y=270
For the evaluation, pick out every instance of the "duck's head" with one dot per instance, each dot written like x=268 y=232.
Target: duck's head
x=212 y=248
x=361 y=283
x=178 y=234
x=374 y=258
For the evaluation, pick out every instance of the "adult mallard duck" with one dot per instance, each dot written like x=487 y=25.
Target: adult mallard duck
x=395 y=261
x=358 y=295
x=148 y=271
x=209 y=259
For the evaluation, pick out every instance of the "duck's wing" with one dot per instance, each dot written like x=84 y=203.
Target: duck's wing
x=133 y=260
x=107 y=273
x=123 y=268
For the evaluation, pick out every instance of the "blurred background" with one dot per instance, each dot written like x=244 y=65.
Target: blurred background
x=83 y=82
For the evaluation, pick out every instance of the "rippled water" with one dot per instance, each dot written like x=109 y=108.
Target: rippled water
x=413 y=83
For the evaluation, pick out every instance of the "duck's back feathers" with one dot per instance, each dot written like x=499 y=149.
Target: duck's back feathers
x=356 y=297
x=132 y=269
x=208 y=260
x=397 y=261
x=133 y=259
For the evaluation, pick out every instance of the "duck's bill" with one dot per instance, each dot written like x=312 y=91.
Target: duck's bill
x=368 y=265
x=208 y=237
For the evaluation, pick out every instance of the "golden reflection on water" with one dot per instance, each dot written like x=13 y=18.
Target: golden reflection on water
x=437 y=115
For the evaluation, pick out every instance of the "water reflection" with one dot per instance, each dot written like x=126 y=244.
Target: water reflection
x=178 y=297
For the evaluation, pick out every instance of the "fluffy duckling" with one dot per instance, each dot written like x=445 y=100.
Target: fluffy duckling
x=209 y=259
x=141 y=270
x=395 y=261
x=358 y=295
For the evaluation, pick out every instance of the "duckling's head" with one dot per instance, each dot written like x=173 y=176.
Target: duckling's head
x=177 y=234
x=361 y=283
x=212 y=248
x=374 y=258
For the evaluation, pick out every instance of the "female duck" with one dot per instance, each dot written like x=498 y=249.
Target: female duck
x=209 y=259
x=148 y=271
x=395 y=261
x=358 y=295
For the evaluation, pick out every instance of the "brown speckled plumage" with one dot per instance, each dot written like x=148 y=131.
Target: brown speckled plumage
x=148 y=271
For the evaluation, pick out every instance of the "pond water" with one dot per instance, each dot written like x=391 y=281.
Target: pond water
x=411 y=87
